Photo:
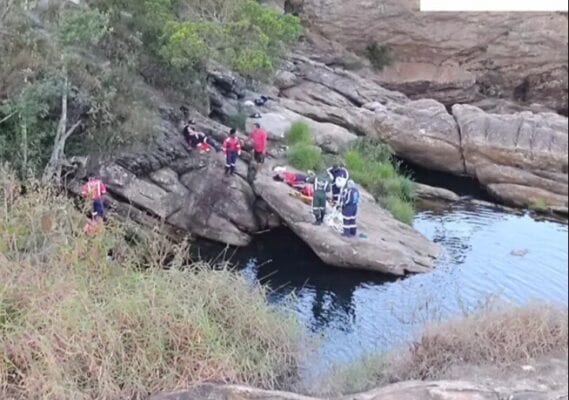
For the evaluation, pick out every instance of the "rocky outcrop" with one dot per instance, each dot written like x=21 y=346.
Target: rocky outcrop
x=422 y=131
x=389 y=246
x=454 y=57
x=520 y=158
x=193 y=195
x=431 y=193
x=188 y=191
x=404 y=391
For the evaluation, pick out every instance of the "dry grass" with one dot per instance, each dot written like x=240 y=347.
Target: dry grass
x=497 y=337
x=77 y=325
x=491 y=337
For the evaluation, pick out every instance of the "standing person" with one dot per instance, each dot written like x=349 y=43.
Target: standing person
x=260 y=138
x=321 y=190
x=350 y=204
x=338 y=174
x=95 y=191
x=232 y=151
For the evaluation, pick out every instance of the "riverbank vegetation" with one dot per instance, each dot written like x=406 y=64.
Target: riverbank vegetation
x=75 y=79
x=493 y=337
x=99 y=317
x=88 y=317
x=371 y=164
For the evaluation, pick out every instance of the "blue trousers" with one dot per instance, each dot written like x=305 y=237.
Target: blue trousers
x=99 y=207
x=350 y=220
x=336 y=191
x=231 y=161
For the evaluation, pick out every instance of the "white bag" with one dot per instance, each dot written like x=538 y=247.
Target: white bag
x=341 y=182
x=335 y=219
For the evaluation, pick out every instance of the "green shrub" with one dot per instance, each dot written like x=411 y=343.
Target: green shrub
x=305 y=157
x=379 y=56
x=371 y=164
x=407 y=188
x=299 y=133
x=402 y=210
x=250 y=38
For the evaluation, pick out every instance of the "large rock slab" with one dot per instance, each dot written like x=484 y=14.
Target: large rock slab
x=510 y=55
x=420 y=131
x=521 y=158
x=426 y=192
x=449 y=84
x=423 y=132
x=391 y=247
x=201 y=201
x=277 y=121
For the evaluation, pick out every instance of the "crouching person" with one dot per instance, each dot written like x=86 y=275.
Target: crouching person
x=350 y=204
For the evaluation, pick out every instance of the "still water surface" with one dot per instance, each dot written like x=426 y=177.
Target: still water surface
x=489 y=253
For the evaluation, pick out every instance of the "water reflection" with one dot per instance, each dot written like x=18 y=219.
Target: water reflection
x=357 y=313
x=324 y=295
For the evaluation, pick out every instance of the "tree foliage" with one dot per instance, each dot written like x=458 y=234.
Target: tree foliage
x=39 y=96
x=249 y=38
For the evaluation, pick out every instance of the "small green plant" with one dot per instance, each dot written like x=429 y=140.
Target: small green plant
x=401 y=209
x=379 y=56
x=299 y=133
x=305 y=157
x=539 y=205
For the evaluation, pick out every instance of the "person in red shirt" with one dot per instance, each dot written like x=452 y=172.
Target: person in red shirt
x=232 y=151
x=260 y=138
x=95 y=191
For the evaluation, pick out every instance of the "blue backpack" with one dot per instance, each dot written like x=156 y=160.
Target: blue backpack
x=355 y=196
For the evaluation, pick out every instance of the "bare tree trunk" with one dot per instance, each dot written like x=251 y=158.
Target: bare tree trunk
x=52 y=172
x=24 y=128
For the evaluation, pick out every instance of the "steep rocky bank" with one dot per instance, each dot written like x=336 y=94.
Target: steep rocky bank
x=520 y=158
x=454 y=57
x=189 y=192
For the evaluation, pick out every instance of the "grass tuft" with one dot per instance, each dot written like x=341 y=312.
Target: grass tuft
x=379 y=56
x=539 y=205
